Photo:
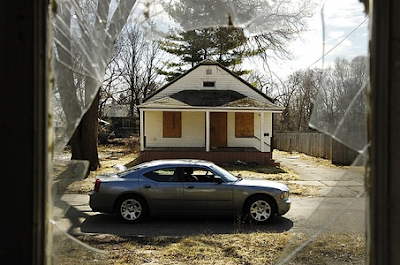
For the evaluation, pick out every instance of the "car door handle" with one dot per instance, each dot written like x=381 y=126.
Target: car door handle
x=190 y=187
x=147 y=186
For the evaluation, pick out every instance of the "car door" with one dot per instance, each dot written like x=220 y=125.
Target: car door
x=203 y=192
x=163 y=189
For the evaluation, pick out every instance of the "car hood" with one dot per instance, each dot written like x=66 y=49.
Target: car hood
x=262 y=183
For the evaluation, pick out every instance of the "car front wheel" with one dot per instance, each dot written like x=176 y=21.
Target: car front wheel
x=260 y=209
x=132 y=209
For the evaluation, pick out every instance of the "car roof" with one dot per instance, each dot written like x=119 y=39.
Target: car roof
x=180 y=162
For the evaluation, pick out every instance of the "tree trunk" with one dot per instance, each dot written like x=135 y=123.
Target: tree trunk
x=84 y=140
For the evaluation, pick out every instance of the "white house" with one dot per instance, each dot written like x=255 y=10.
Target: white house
x=208 y=113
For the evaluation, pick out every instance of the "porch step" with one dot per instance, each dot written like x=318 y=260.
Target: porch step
x=270 y=161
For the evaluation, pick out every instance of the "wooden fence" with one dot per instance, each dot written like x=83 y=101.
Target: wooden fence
x=315 y=144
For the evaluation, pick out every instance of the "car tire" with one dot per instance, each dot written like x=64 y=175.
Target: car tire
x=132 y=209
x=260 y=209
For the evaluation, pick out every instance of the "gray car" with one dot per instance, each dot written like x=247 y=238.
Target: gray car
x=186 y=186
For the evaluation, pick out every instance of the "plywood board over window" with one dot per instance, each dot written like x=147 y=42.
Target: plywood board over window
x=172 y=124
x=244 y=124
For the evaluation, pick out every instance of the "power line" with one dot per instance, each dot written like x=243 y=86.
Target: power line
x=340 y=42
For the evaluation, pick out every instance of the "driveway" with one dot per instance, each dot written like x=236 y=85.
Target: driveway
x=340 y=207
x=333 y=181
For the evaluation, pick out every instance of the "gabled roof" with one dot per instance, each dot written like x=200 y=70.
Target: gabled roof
x=209 y=62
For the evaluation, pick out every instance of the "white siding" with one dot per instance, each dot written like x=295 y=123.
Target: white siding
x=250 y=142
x=223 y=81
x=268 y=123
x=193 y=130
x=267 y=129
x=232 y=140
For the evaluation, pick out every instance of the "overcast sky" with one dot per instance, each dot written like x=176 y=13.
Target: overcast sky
x=341 y=18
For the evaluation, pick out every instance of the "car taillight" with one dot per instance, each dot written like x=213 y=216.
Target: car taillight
x=97 y=185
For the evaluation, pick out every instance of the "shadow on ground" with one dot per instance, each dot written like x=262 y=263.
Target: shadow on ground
x=170 y=225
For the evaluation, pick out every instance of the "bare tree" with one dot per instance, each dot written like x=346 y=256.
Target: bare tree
x=297 y=96
x=261 y=81
x=132 y=73
x=77 y=26
x=334 y=87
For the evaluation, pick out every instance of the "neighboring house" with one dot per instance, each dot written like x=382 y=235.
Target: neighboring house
x=122 y=124
x=208 y=113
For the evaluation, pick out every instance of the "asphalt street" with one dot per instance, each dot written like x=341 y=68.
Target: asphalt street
x=339 y=207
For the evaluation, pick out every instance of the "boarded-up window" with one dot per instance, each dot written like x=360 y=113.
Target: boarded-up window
x=244 y=124
x=172 y=124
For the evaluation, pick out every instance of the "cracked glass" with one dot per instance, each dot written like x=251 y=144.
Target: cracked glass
x=84 y=34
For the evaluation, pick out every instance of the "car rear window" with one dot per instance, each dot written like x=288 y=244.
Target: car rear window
x=128 y=172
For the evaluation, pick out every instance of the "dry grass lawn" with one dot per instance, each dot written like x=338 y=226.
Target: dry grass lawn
x=227 y=249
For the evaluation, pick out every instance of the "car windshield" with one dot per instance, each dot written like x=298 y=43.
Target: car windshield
x=226 y=174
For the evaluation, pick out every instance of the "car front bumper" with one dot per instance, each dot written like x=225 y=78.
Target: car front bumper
x=284 y=206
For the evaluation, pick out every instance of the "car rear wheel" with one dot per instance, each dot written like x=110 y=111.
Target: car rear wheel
x=260 y=209
x=132 y=209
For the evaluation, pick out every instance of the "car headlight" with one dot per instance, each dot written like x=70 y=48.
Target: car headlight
x=285 y=195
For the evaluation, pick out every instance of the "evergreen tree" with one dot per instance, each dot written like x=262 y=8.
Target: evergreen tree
x=273 y=28
x=223 y=45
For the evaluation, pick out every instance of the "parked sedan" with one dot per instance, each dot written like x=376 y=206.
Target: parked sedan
x=186 y=186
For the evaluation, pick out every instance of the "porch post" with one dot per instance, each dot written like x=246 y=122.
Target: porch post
x=262 y=132
x=141 y=130
x=207 y=131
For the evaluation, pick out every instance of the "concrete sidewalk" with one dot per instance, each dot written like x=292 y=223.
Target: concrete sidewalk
x=340 y=204
x=332 y=181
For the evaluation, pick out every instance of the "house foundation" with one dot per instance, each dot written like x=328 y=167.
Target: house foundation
x=219 y=156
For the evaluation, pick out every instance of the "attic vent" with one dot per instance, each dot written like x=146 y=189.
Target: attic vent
x=209 y=71
x=208 y=84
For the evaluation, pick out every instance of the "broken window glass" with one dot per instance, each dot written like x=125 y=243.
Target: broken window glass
x=84 y=33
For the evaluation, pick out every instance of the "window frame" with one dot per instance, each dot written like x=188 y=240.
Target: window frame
x=208 y=83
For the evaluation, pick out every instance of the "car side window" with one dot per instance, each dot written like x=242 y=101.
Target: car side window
x=163 y=175
x=197 y=174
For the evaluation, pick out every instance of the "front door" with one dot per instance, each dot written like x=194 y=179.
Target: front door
x=218 y=129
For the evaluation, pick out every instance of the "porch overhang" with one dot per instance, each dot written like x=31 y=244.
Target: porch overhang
x=243 y=104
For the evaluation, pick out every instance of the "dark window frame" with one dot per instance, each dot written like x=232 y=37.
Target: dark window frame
x=209 y=84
